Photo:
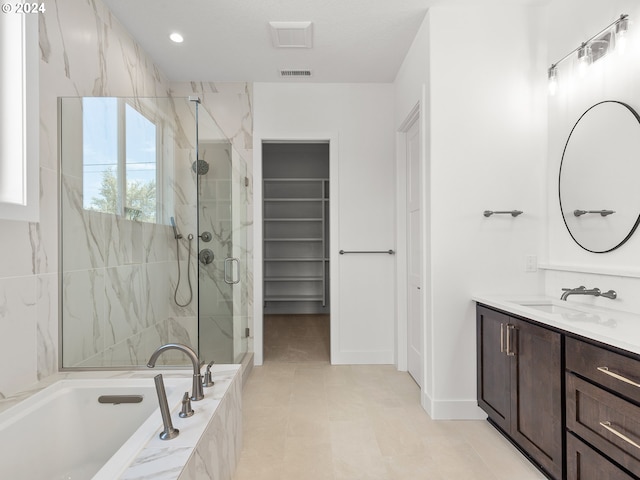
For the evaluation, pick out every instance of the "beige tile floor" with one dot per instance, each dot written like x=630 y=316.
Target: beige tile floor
x=308 y=420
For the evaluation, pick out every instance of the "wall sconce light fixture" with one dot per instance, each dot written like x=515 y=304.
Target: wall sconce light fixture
x=596 y=47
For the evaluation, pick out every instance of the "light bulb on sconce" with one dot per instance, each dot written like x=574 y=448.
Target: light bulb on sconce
x=584 y=58
x=622 y=28
x=553 y=79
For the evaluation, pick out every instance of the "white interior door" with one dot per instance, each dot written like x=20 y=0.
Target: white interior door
x=415 y=324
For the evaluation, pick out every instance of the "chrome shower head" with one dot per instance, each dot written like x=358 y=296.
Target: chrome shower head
x=201 y=167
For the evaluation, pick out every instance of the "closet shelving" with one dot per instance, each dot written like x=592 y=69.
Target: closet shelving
x=295 y=240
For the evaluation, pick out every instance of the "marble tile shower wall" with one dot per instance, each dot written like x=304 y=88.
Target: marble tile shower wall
x=118 y=283
x=84 y=52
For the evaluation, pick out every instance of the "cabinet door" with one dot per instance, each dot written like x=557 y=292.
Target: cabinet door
x=536 y=393
x=493 y=367
x=583 y=463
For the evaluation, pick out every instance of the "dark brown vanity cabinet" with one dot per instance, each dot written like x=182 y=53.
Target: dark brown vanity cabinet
x=520 y=384
x=603 y=412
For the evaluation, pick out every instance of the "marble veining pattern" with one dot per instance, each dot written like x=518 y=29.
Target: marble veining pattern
x=18 y=304
x=165 y=463
x=47 y=325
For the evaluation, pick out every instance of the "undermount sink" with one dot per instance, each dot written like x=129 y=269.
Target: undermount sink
x=550 y=308
x=566 y=313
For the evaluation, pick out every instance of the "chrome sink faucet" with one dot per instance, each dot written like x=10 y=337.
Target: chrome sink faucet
x=581 y=290
x=197 y=393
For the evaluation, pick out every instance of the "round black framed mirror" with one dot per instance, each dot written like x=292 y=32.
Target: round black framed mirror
x=599 y=173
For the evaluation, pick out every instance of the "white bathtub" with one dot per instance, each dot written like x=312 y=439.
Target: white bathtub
x=64 y=433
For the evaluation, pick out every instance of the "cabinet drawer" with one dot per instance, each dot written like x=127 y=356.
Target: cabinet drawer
x=584 y=463
x=609 y=423
x=609 y=369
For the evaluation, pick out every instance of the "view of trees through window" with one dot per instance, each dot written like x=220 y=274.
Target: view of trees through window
x=119 y=159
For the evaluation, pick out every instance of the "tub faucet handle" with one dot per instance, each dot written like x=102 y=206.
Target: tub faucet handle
x=208 y=382
x=186 y=411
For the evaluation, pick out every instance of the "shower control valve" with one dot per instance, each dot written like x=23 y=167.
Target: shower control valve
x=205 y=256
x=206 y=236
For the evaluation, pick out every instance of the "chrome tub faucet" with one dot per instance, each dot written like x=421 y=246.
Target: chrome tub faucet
x=197 y=392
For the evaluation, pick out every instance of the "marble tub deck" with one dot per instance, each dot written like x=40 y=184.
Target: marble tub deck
x=210 y=442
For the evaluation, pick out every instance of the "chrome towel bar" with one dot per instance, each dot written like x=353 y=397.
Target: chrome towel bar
x=603 y=213
x=390 y=252
x=513 y=213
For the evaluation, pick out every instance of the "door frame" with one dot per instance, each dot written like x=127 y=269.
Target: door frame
x=258 y=275
x=418 y=113
x=413 y=121
x=402 y=293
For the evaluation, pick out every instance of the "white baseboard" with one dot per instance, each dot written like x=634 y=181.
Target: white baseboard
x=452 y=409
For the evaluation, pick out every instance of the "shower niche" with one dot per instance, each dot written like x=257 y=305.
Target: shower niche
x=296 y=228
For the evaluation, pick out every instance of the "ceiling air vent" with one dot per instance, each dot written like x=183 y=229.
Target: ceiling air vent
x=291 y=34
x=295 y=73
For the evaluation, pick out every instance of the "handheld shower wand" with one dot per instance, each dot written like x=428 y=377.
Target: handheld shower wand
x=176 y=235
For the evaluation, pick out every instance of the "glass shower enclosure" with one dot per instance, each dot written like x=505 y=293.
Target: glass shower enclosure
x=153 y=204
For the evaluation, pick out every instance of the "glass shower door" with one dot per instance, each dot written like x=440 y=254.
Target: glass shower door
x=222 y=206
x=236 y=274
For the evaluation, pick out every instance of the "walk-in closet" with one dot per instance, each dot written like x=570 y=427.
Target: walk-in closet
x=296 y=250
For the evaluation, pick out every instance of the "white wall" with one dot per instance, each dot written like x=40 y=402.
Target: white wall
x=611 y=78
x=411 y=93
x=358 y=120
x=485 y=135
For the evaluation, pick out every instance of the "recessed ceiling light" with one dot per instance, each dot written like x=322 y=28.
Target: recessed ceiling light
x=176 y=37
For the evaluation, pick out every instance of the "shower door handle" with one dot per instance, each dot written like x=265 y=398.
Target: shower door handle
x=228 y=279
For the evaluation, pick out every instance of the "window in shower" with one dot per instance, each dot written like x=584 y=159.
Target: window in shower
x=120 y=159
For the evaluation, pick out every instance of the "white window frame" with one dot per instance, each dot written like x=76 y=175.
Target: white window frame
x=121 y=158
x=19 y=123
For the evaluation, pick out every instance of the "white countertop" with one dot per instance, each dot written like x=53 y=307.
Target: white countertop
x=612 y=327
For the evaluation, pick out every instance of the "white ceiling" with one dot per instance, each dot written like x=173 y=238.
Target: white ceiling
x=230 y=40
x=355 y=41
